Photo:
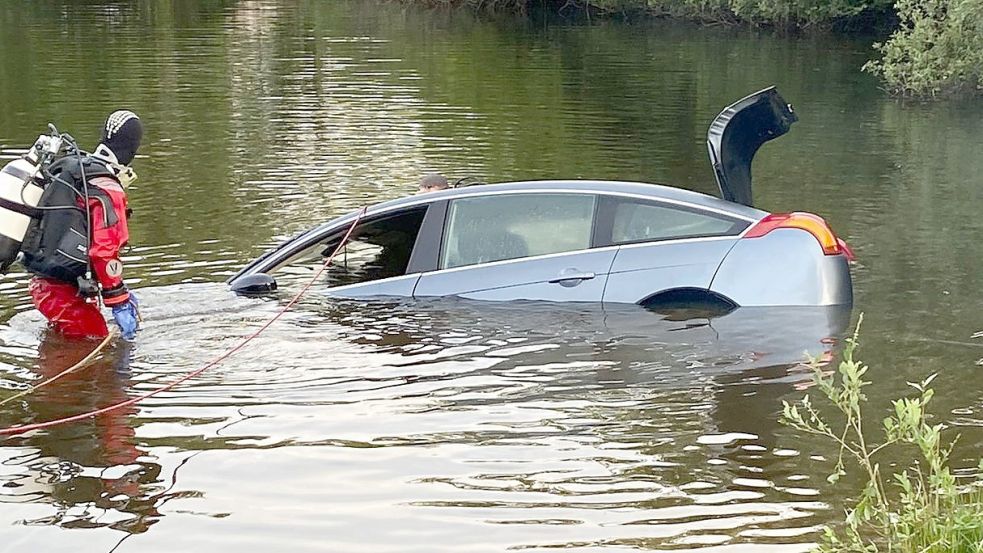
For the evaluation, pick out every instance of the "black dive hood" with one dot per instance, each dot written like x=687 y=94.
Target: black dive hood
x=736 y=134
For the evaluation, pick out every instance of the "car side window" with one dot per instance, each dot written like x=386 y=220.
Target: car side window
x=634 y=220
x=378 y=248
x=511 y=226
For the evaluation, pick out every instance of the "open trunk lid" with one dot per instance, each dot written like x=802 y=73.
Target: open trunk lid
x=736 y=134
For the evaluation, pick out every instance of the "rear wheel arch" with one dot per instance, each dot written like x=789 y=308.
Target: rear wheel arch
x=688 y=298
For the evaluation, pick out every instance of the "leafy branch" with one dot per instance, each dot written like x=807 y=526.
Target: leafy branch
x=928 y=512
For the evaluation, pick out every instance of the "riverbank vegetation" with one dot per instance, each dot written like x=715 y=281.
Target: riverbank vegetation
x=921 y=507
x=786 y=14
x=935 y=47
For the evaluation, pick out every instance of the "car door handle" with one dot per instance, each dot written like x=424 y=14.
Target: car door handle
x=571 y=277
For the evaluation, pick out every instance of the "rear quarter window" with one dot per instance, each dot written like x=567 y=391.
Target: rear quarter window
x=628 y=221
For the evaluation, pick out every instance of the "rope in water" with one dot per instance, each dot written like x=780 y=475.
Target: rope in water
x=132 y=401
x=113 y=333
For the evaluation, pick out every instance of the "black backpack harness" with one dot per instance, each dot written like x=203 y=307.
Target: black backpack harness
x=57 y=243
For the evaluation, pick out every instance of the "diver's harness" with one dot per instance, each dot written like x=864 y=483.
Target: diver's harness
x=56 y=241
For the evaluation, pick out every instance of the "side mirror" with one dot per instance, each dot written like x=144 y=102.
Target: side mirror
x=258 y=284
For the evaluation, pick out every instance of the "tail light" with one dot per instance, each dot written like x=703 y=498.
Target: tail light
x=813 y=224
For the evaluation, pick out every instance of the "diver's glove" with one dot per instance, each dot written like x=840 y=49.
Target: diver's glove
x=128 y=317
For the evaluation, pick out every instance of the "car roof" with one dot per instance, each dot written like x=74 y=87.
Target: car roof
x=618 y=188
x=655 y=192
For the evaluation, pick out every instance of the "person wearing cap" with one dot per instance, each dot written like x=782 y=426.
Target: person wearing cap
x=62 y=287
x=432 y=183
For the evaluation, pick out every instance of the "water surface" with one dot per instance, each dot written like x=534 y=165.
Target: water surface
x=451 y=425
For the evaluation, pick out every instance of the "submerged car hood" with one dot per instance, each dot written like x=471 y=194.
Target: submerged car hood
x=736 y=134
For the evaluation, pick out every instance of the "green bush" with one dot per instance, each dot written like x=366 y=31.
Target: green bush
x=803 y=13
x=780 y=13
x=937 y=48
x=777 y=13
x=924 y=511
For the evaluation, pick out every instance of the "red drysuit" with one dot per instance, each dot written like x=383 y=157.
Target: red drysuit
x=70 y=314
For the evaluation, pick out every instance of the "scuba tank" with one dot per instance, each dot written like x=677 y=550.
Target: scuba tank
x=21 y=186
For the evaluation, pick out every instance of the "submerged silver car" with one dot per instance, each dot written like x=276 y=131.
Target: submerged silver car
x=586 y=241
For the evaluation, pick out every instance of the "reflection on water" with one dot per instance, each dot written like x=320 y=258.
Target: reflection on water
x=558 y=425
x=453 y=425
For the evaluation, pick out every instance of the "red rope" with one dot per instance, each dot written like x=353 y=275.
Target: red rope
x=47 y=424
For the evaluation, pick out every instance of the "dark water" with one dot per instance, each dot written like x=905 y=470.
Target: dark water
x=451 y=425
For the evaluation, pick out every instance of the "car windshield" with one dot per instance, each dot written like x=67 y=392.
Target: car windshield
x=378 y=248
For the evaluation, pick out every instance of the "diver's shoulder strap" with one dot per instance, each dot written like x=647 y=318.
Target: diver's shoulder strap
x=96 y=192
x=72 y=166
x=68 y=170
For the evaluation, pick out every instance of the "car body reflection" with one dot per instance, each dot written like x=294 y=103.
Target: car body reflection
x=731 y=339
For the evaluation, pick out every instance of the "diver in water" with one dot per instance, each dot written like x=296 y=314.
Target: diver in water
x=74 y=253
